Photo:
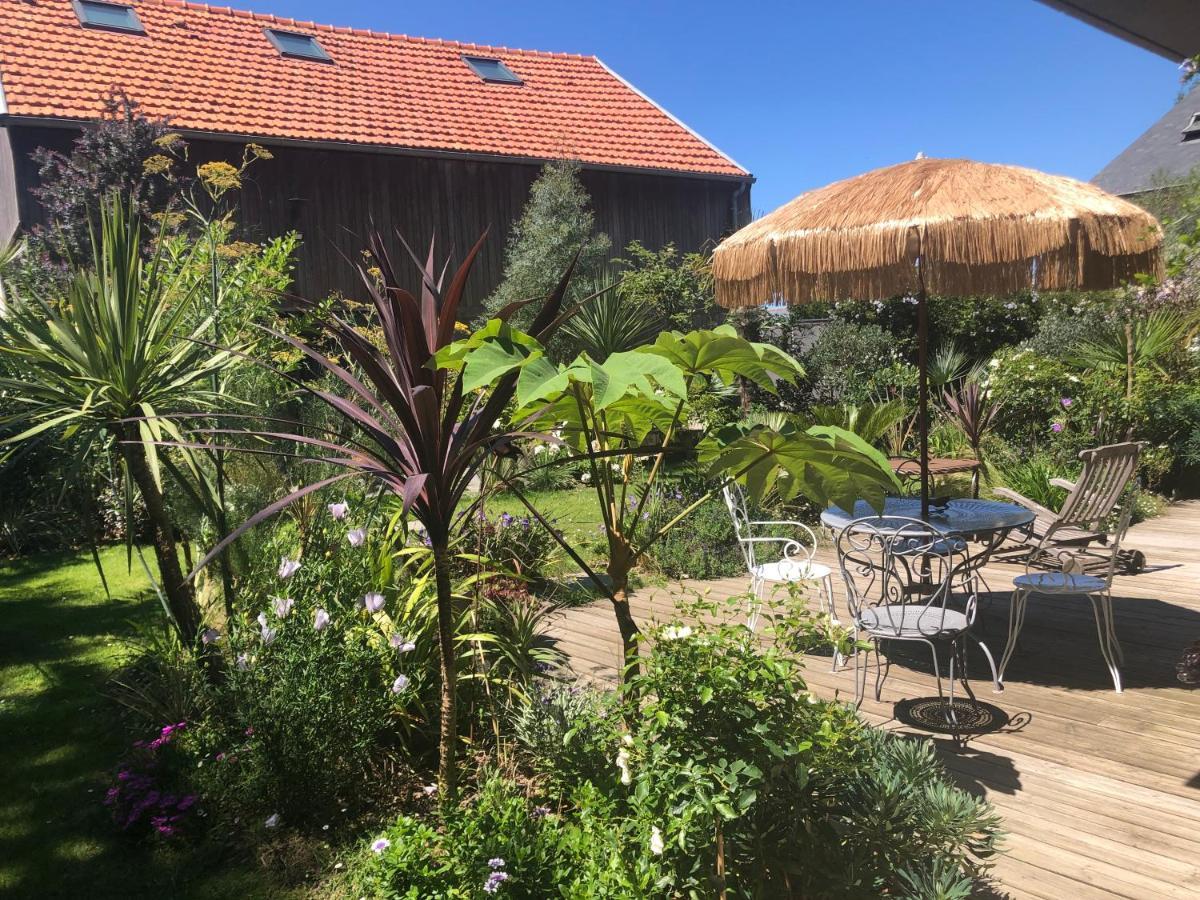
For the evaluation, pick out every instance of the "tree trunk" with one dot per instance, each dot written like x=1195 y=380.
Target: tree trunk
x=618 y=570
x=448 y=737
x=181 y=598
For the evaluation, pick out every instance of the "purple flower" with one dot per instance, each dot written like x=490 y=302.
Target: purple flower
x=282 y=606
x=1066 y=402
x=404 y=646
x=356 y=536
x=321 y=620
x=373 y=602
x=540 y=812
x=399 y=684
x=209 y=635
x=288 y=567
x=492 y=885
x=380 y=845
x=1056 y=427
x=496 y=863
x=339 y=510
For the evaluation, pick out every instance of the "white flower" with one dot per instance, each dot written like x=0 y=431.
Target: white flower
x=399 y=684
x=272 y=820
x=288 y=567
x=373 y=602
x=321 y=620
x=429 y=790
x=356 y=536
x=243 y=662
x=676 y=632
x=269 y=635
x=656 y=841
x=401 y=644
x=339 y=510
x=283 y=606
x=539 y=449
x=586 y=477
x=622 y=762
x=262 y=620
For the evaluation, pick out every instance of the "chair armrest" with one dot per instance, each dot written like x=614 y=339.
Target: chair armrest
x=1022 y=501
x=1063 y=483
x=794 y=524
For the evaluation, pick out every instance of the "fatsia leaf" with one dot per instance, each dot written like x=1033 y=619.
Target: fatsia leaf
x=721 y=352
x=622 y=373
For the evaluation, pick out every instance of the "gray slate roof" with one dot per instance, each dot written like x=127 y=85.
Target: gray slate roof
x=1158 y=158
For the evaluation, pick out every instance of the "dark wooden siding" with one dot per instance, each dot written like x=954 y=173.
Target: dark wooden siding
x=332 y=197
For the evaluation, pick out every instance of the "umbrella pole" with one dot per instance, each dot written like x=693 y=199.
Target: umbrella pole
x=923 y=389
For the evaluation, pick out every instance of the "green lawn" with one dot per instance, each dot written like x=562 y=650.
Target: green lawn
x=60 y=738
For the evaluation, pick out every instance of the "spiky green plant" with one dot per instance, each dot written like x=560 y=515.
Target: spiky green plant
x=107 y=364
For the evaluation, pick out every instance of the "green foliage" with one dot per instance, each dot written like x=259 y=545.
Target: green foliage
x=678 y=289
x=849 y=363
x=568 y=733
x=513 y=542
x=1030 y=478
x=556 y=224
x=611 y=323
x=871 y=421
x=706 y=548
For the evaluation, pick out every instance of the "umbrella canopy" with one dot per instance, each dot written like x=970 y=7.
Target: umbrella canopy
x=951 y=227
x=977 y=229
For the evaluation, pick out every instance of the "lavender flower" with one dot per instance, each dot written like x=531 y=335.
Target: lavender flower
x=339 y=510
x=282 y=606
x=209 y=635
x=262 y=620
x=492 y=885
x=373 y=602
x=401 y=644
x=399 y=684
x=321 y=620
x=268 y=636
x=1056 y=427
x=1066 y=402
x=496 y=863
x=356 y=536
x=288 y=567
x=380 y=845
x=540 y=812
x=272 y=820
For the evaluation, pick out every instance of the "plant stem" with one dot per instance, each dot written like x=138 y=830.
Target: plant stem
x=448 y=737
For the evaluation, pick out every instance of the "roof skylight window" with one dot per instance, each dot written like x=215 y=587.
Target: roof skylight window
x=1192 y=130
x=492 y=70
x=112 y=16
x=297 y=46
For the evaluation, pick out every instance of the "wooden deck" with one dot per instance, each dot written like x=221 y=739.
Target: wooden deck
x=1100 y=791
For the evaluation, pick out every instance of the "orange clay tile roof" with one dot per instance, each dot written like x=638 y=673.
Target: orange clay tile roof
x=213 y=69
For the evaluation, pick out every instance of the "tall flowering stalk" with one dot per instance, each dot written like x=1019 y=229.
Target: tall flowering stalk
x=416 y=431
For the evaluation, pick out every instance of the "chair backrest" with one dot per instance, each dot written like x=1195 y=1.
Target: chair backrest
x=797 y=547
x=1106 y=473
x=902 y=573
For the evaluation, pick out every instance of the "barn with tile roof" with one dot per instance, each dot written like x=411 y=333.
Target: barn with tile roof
x=418 y=134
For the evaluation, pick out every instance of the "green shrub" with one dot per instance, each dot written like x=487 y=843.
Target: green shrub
x=704 y=547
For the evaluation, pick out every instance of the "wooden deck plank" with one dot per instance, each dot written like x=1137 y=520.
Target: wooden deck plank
x=1100 y=791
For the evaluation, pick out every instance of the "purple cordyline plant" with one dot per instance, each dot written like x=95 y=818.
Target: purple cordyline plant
x=415 y=430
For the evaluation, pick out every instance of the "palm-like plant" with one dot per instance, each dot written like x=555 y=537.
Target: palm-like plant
x=1126 y=346
x=871 y=421
x=610 y=324
x=974 y=411
x=415 y=430
x=107 y=363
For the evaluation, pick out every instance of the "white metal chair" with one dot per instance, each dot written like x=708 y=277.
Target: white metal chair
x=1075 y=573
x=794 y=565
x=907 y=581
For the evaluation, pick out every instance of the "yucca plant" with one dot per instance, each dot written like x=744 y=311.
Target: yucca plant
x=414 y=429
x=611 y=324
x=107 y=364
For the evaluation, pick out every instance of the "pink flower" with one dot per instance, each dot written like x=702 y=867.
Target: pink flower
x=1056 y=427
x=283 y=606
x=288 y=567
x=399 y=684
x=373 y=602
x=356 y=536
x=321 y=620
x=401 y=644
x=339 y=510
x=1066 y=402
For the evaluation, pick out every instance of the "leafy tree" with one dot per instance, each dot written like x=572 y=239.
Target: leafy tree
x=556 y=223
x=633 y=406
x=678 y=288
x=108 y=362
x=123 y=154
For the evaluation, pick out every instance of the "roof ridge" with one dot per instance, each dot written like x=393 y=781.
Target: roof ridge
x=286 y=22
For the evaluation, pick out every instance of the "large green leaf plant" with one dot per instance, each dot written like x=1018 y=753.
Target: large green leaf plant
x=623 y=416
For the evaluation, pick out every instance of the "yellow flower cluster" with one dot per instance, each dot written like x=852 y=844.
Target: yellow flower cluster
x=219 y=176
x=157 y=164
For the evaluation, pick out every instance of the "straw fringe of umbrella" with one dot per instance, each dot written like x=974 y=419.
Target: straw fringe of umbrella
x=977 y=227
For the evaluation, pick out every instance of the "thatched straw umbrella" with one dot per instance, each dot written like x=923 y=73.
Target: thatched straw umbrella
x=949 y=227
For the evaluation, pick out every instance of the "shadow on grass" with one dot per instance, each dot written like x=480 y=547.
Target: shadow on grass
x=59 y=645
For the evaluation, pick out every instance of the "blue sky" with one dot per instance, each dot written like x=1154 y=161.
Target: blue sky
x=805 y=93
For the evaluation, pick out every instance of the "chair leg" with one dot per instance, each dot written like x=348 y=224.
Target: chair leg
x=991 y=663
x=1112 y=630
x=827 y=589
x=882 y=670
x=1016 y=618
x=860 y=675
x=951 y=715
x=1105 y=645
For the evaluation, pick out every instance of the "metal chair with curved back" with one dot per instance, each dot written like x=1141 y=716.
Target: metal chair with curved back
x=907 y=581
x=794 y=564
x=1075 y=573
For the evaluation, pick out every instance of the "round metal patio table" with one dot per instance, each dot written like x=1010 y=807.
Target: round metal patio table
x=988 y=521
